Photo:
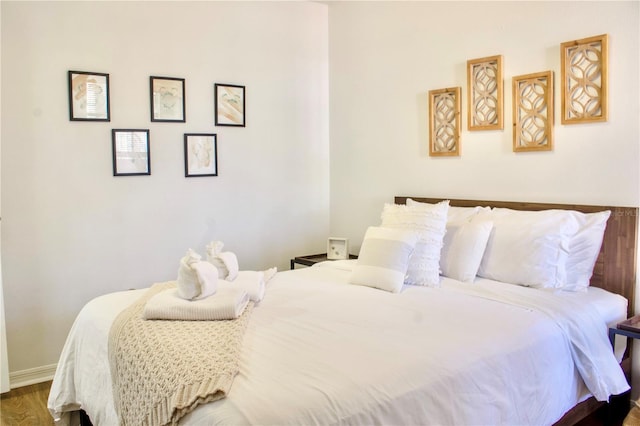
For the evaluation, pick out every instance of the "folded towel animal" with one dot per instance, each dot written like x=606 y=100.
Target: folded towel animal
x=226 y=262
x=207 y=277
x=253 y=282
x=228 y=303
x=196 y=279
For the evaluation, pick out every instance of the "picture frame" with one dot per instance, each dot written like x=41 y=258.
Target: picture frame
x=131 y=152
x=533 y=112
x=485 y=94
x=229 y=105
x=444 y=122
x=200 y=154
x=88 y=96
x=584 y=80
x=167 y=99
x=337 y=248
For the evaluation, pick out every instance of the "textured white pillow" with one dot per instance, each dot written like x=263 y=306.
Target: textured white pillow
x=463 y=248
x=584 y=249
x=383 y=258
x=528 y=247
x=429 y=222
x=454 y=214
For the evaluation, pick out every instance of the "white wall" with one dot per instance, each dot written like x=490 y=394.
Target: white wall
x=72 y=231
x=386 y=56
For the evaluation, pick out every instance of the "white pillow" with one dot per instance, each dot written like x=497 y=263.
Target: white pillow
x=463 y=248
x=429 y=222
x=584 y=249
x=454 y=214
x=528 y=247
x=383 y=258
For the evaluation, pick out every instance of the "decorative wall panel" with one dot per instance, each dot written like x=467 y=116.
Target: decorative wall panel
x=484 y=93
x=533 y=112
x=584 y=80
x=444 y=122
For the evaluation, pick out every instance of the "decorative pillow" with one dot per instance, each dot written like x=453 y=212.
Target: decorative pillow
x=383 y=259
x=584 y=249
x=528 y=247
x=454 y=214
x=429 y=222
x=463 y=248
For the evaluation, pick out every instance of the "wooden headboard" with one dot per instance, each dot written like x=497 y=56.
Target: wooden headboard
x=615 y=269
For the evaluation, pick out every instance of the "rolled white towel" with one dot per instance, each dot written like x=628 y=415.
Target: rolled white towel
x=207 y=278
x=226 y=262
x=188 y=284
x=230 y=261
x=228 y=303
x=253 y=282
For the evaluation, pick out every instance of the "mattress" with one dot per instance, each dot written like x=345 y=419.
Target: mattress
x=318 y=350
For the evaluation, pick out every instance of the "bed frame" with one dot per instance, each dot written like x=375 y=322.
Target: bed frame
x=615 y=269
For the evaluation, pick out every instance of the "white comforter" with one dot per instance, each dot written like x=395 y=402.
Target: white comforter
x=320 y=351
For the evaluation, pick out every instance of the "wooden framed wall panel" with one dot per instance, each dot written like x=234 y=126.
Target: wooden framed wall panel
x=485 y=93
x=584 y=78
x=533 y=112
x=444 y=122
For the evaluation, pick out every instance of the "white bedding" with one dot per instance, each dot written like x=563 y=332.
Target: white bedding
x=320 y=351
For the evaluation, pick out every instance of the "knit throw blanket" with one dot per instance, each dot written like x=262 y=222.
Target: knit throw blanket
x=162 y=370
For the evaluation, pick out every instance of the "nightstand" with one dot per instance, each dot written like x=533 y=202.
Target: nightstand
x=628 y=328
x=312 y=259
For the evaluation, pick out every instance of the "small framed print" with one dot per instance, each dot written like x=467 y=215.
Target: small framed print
x=337 y=248
x=229 y=105
x=88 y=96
x=131 y=154
x=200 y=155
x=167 y=99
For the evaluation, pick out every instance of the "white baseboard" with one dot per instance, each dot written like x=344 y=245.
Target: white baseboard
x=32 y=376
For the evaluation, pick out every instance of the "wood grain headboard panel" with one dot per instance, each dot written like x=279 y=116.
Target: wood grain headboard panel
x=615 y=269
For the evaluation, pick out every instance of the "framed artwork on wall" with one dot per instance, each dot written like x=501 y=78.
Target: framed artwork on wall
x=584 y=80
x=167 y=99
x=200 y=154
x=229 y=105
x=484 y=93
x=533 y=112
x=444 y=122
x=131 y=155
x=88 y=96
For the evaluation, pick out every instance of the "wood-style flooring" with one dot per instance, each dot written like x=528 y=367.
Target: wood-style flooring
x=27 y=406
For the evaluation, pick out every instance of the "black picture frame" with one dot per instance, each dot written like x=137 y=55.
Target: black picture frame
x=230 y=105
x=88 y=96
x=167 y=97
x=200 y=154
x=131 y=152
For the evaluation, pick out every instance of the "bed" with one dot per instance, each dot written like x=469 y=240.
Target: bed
x=320 y=350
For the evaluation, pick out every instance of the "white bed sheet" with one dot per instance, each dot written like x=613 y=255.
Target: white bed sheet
x=320 y=351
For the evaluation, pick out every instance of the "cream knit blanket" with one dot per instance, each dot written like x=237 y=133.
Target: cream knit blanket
x=162 y=370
